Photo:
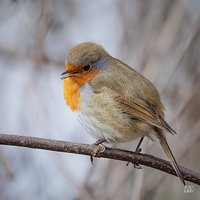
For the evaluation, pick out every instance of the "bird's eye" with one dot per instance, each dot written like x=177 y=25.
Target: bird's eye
x=86 y=68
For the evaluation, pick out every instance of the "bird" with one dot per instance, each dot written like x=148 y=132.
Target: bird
x=114 y=102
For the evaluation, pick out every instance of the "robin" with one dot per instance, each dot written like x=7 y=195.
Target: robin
x=113 y=101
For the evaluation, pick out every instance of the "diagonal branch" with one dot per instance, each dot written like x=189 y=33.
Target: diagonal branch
x=91 y=149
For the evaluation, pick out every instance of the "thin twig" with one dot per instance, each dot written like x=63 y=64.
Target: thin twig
x=90 y=149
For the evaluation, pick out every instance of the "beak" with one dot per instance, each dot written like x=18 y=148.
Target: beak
x=68 y=74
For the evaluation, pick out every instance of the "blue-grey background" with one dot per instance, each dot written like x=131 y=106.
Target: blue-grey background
x=160 y=39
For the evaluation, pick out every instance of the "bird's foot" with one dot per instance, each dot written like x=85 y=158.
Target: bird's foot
x=100 y=150
x=136 y=164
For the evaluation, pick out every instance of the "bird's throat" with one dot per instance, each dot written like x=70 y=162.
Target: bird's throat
x=72 y=94
x=73 y=84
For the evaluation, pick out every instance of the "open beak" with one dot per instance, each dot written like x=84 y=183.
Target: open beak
x=68 y=73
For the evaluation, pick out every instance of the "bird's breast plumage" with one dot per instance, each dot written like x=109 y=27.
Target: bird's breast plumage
x=72 y=94
x=103 y=117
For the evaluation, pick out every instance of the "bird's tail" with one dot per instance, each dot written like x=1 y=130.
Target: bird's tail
x=170 y=156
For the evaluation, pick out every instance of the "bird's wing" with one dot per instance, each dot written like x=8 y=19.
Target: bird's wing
x=133 y=105
x=141 y=110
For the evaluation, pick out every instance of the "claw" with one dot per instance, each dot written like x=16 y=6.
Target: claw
x=135 y=164
x=103 y=148
x=139 y=150
x=100 y=141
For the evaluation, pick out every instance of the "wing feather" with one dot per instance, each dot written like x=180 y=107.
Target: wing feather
x=142 y=110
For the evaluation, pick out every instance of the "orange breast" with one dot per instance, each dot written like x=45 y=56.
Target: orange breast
x=71 y=94
x=72 y=85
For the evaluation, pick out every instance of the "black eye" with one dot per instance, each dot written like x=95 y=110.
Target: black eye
x=87 y=68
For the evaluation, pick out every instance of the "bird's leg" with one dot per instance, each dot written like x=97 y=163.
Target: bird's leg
x=137 y=150
x=103 y=147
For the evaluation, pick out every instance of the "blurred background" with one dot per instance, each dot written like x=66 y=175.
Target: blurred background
x=160 y=39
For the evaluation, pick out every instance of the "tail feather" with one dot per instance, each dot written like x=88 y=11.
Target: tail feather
x=170 y=156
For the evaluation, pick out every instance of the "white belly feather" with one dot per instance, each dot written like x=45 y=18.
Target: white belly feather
x=89 y=122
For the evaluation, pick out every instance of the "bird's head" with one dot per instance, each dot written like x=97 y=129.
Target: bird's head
x=84 y=61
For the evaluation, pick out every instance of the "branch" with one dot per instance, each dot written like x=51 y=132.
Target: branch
x=91 y=149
